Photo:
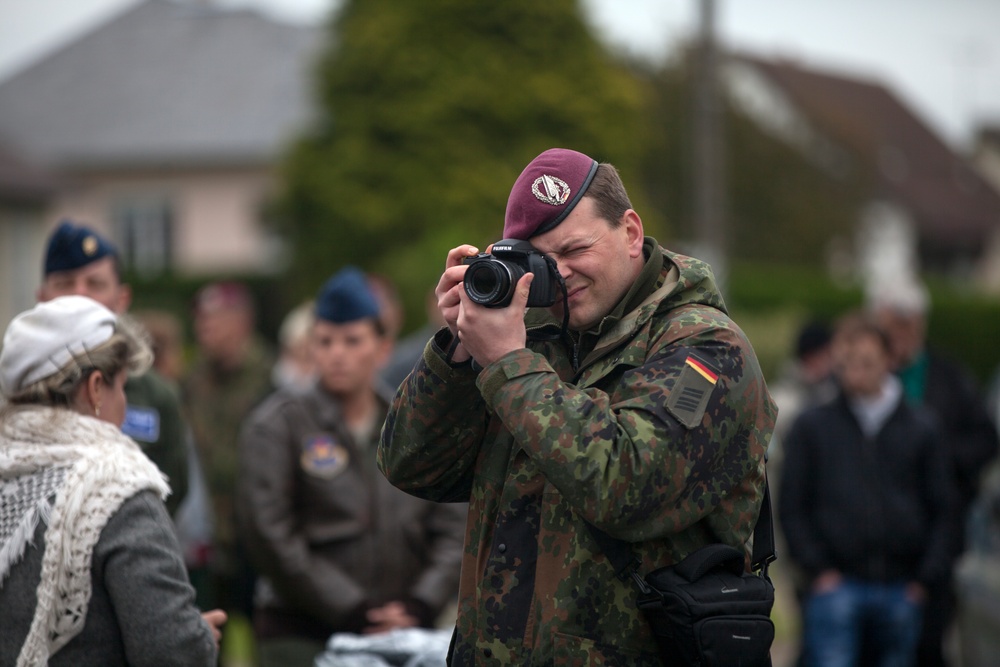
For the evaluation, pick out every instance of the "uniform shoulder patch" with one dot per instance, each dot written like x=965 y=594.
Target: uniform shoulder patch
x=141 y=423
x=692 y=391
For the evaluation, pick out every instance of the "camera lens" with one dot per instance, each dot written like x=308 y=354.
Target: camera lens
x=490 y=282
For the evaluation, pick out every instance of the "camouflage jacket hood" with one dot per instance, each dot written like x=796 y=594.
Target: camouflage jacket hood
x=656 y=436
x=667 y=281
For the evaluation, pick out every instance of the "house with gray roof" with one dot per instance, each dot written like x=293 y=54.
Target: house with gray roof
x=927 y=207
x=165 y=126
x=26 y=191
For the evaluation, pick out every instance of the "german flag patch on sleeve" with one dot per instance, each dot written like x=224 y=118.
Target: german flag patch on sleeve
x=692 y=391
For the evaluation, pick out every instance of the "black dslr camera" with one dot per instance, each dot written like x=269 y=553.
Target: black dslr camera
x=491 y=278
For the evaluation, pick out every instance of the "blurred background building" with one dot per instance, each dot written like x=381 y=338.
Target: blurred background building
x=924 y=206
x=165 y=126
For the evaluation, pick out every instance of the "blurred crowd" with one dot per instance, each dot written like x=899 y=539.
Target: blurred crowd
x=883 y=468
x=885 y=455
x=250 y=434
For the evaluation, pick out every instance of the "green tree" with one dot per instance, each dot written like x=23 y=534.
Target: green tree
x=428 y=111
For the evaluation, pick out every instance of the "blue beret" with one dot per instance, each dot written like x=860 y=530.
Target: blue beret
x=346 y=297
x=74 y=246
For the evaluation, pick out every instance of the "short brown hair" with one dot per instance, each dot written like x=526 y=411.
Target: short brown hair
x=608 y=192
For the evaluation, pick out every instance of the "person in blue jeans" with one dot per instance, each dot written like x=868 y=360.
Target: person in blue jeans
x=865 y=500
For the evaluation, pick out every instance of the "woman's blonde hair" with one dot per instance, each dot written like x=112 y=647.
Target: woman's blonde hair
x=127 y=349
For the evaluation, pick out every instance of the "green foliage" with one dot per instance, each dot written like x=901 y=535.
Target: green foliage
x=428 y=113
x=771 y=302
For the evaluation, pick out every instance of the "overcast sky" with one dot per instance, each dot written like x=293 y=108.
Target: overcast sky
x=940 y=56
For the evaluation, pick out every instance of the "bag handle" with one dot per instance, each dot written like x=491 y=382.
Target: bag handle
x=701 y=562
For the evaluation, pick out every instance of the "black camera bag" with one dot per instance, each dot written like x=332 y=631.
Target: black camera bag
x=707 y=610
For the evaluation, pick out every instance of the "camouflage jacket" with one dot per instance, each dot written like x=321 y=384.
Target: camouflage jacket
x=656 y=436
x=215 y=403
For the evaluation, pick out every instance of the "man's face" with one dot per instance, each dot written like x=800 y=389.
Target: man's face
x=347 y=355
x=223 y=333
x=97 y=280
x=906 y=333
x=598 y=262
x=864 y=366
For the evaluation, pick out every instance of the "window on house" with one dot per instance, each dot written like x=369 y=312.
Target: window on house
x=144 y=230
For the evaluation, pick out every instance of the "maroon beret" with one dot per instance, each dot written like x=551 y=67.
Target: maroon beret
x=546 y=191
x=218 y=297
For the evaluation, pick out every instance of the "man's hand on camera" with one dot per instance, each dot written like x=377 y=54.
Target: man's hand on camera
x=490 y=333
x=449 y=291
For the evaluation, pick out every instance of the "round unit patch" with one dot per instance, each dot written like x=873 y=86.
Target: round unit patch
x=324 y=457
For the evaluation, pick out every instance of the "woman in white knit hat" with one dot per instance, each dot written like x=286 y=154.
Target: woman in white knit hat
x=90 y=570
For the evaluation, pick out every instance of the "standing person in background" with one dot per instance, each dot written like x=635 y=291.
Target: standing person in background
x=294 y=367
x=229 y=376
x=410 y=348
x=90 y=572
x=633 y=404
x=167 y=334
x=337 y=547
x=866 y=505
x=805 y=381
x=80 y=261
x=970 y=438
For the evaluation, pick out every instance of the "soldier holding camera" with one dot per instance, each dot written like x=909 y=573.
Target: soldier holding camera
x=624 y=398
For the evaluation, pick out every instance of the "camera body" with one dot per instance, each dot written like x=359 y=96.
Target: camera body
x=491 y=278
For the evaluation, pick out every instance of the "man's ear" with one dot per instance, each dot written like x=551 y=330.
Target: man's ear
x=385 y=348
x=124 y=299
x=633 y=232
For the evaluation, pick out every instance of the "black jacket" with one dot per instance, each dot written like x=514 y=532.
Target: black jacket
x=969 y=432
x=877 y=509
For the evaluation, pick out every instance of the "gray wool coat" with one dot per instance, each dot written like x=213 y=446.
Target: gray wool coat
x=142 y=608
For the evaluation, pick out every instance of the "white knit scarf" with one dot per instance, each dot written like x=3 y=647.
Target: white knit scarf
x=94 y=468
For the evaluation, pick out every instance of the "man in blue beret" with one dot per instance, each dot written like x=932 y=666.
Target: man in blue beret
x=80 y=261
x=337 y=548
x=633 y=404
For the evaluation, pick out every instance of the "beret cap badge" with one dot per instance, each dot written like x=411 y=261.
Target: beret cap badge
x=89 y=245
x=551 y=190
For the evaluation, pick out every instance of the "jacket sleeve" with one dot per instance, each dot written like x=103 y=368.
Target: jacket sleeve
x=941 y=499
x=796 y=501
x=269 y=526
x=436 y=423
x=141 y=567
x=680 y=433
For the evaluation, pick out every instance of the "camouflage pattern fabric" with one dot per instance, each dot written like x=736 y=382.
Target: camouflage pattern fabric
x=216 y=401
x=656 y=436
